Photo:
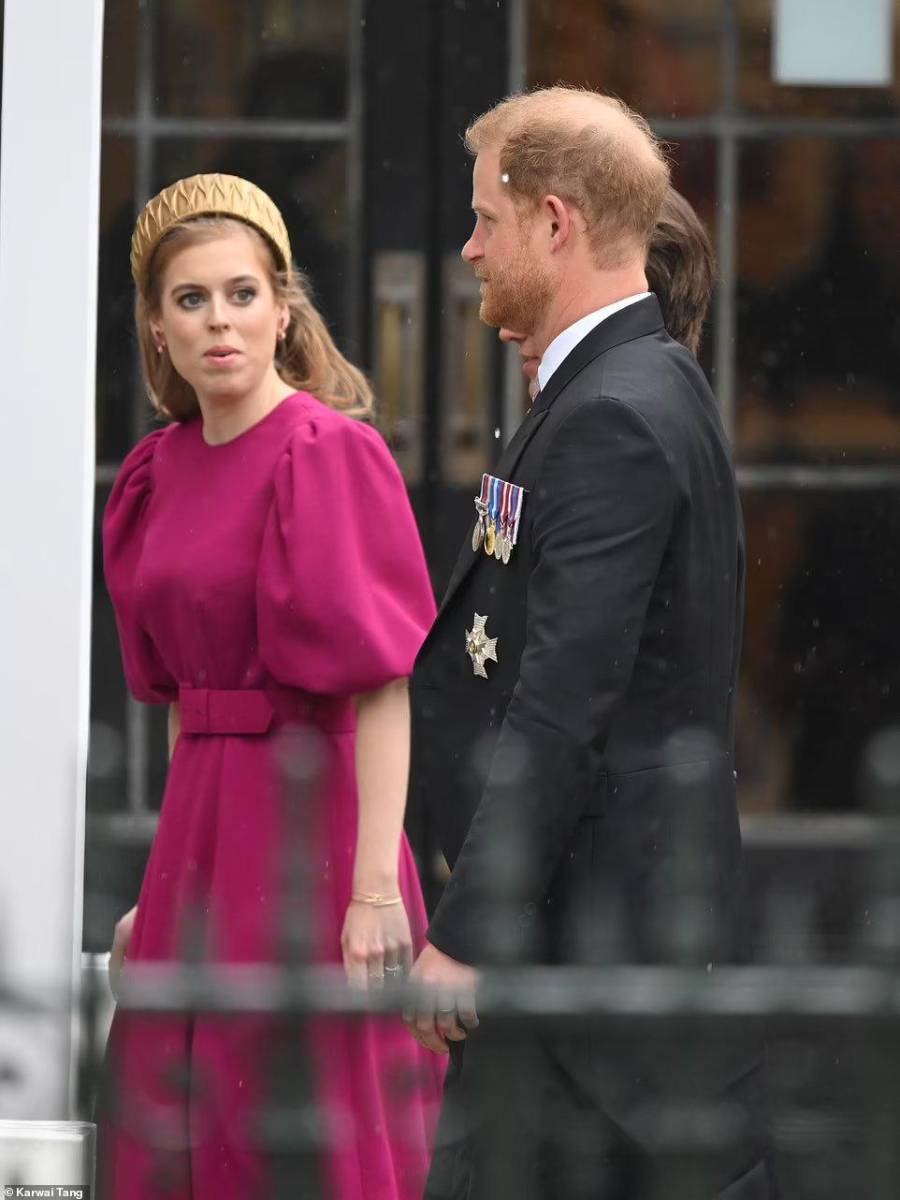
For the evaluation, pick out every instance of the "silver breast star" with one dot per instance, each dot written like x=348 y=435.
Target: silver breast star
x=480 y=647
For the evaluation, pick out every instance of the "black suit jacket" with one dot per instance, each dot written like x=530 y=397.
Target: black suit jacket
x=599 y=750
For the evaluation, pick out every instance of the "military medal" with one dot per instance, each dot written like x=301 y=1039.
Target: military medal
x=498 y=540
x=500 y=551
x=481 y=508
x=515 y=517
x=478 y=531
x=490 y=534
x=499 y=509
x=508 y=504
x=480 y=647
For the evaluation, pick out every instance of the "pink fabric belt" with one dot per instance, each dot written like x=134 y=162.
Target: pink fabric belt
x=255 y=710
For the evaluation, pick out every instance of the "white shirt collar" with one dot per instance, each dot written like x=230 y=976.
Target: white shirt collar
x=564 y=343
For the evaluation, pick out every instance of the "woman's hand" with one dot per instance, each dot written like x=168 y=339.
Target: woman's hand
x=121 y=938
x=376 y=944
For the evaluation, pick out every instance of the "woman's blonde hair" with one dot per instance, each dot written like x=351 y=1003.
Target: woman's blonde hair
x=307 y=359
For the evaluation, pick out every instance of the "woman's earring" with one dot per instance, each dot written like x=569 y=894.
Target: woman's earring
x=282 y=334
x=160 y=346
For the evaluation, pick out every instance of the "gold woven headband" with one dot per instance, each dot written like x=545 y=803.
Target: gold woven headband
x=206 y=196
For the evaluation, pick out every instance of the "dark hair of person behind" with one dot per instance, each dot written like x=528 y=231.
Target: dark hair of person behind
x=681 y=269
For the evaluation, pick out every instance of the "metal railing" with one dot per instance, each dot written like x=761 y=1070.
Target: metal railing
x=833 y=1028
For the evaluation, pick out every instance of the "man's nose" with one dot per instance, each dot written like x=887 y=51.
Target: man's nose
x=507 y=335
x=470 y=251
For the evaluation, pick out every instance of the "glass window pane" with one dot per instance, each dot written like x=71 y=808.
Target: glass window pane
x=759 y=93
x=821 y=664
x=660 y=56
x=252 y=58
x=694 y=175
x=116 y=344
x=470 y=354
x=120 y=34
x=308 y=182
x=819 y=282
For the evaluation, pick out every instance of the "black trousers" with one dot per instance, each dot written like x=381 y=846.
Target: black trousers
x=529 y=1117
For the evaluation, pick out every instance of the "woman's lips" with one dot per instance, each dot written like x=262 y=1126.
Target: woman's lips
x=222 y=356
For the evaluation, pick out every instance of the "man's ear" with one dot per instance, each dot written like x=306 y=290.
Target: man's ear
x=559 y=217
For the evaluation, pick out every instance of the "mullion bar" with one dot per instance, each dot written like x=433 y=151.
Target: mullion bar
x=725 y=331
x=142 y=126
x=737 y=125
x=517 y=81
x=137 y=718
x=798 y=476
x=759 y=477
x=260 y=129
x=356 y=240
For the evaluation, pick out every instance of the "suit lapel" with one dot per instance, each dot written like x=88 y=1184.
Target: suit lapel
x=636 y=321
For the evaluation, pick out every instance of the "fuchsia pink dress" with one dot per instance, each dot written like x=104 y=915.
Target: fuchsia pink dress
x=264 y=581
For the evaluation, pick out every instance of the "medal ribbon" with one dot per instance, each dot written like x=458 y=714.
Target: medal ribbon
x=517 y=503
x=505 y=509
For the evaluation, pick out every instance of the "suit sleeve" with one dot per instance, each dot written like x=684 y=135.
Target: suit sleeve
x=601 y=518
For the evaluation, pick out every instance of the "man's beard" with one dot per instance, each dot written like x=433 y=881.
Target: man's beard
x=517 y=295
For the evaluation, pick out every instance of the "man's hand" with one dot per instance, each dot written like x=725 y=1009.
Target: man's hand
x=451 y=1014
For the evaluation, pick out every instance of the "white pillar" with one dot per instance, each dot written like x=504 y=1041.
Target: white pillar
x=49 y=196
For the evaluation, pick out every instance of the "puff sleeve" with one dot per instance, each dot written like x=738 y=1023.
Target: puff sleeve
x=344 y=601
x=124 y=524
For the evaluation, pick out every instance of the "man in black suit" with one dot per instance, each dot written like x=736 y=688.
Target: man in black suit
x=573 y=705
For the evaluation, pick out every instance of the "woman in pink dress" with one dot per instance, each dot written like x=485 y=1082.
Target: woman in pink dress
x=266 y=574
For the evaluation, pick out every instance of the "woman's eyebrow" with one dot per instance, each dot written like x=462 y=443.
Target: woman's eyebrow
x=199 y=287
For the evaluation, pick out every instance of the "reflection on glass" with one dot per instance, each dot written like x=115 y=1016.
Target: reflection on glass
x=819 y=318
x=821 y=666
x=659 y=56
x=308 y=182
x=693 y=162
x=116 y=382
x=470 y=348
x=398 y=342
x=252 y=58
x=759 y=93
x=120 y=33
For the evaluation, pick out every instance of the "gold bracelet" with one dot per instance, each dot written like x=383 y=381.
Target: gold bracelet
x=376 y=899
